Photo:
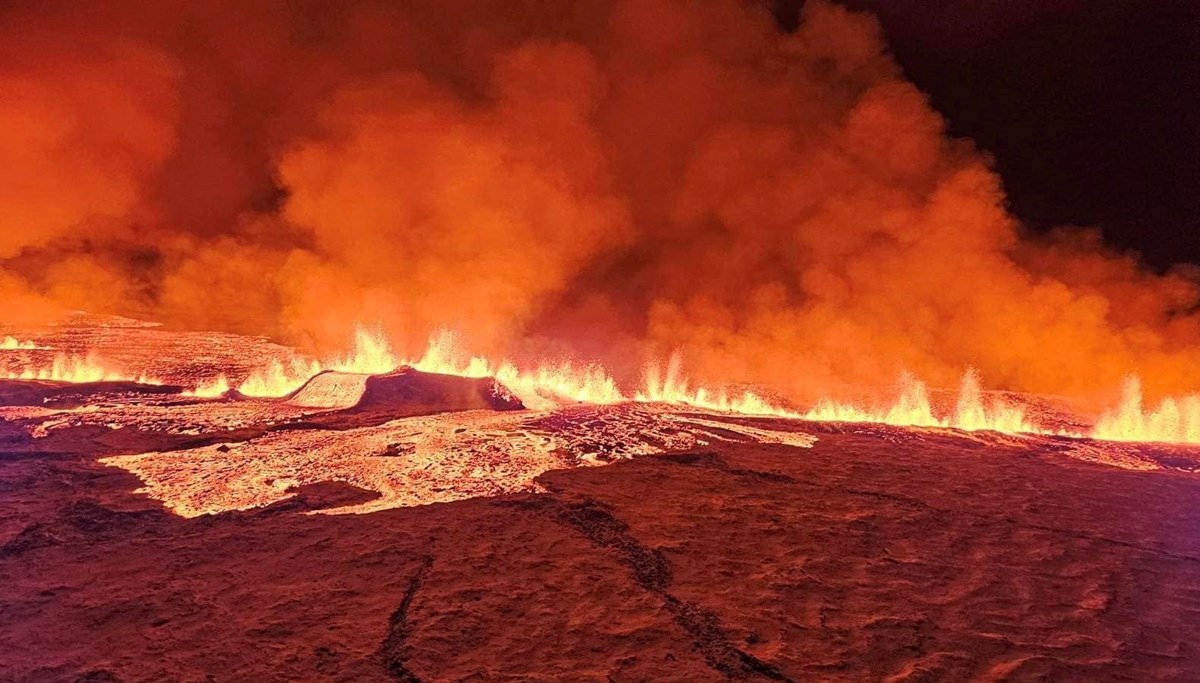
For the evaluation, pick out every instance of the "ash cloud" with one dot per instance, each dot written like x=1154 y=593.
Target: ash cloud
x=620 y=178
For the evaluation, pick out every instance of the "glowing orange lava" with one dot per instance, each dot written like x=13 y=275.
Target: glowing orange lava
x=212 y=388
x=913 y=409
x=75 y=369
x=672 y=386
x=279 y=378
x=14 y=344
x=1174 y=420
x=555 y=383
x=549 y=384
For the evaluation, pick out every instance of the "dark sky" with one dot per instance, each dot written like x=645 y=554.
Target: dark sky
x=1090 y=107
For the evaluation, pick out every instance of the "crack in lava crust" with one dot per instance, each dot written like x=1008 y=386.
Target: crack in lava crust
x=429 y=459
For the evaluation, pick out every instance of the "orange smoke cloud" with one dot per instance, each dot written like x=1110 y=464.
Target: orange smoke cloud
x=622 y=177
x=461 y=215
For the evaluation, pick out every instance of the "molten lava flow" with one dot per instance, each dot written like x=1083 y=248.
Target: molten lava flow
x=1175 y=420
x=75 y=369
x=447 y=456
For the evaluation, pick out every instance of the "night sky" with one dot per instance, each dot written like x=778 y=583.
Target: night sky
x=1091 y=108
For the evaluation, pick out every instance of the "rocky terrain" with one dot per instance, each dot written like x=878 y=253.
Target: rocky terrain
x=422 y=527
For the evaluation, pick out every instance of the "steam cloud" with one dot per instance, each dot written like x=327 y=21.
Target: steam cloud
x=624 y=178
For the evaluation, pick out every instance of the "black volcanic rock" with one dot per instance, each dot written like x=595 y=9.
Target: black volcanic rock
x=18 y=392
x=358 y=400
x=405 y=391
x=408 y=387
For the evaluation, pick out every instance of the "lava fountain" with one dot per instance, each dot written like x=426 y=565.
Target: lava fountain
x=563 y=382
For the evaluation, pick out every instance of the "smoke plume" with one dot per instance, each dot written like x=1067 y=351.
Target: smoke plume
x=622 y=178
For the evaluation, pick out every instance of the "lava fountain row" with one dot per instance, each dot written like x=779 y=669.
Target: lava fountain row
x=1173 y=420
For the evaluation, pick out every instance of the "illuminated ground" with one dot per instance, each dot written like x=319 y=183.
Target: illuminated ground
x=149 y=536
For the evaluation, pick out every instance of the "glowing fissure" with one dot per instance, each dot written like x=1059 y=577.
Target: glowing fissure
x=544 y=386
x=671 y=386
x=553 y=383
x=279 y=378
x=217 y=386
x=1174 y=420
x=14 y=344
x=913 y=409
x=74 y=368
x=371 y=355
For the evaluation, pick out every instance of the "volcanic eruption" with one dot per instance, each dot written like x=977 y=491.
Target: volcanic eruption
x=303 y=271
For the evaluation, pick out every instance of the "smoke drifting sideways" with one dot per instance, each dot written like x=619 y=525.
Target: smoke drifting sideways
x=617 y=179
